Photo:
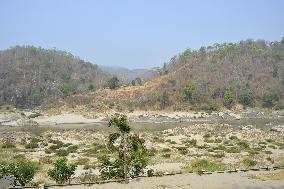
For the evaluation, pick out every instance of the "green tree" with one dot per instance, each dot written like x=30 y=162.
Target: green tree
x=129 y=148
x=65 y=89
x=268 y=99
x=246 y=99
x=91 y=87
x=62 y=172
x=113 y=83
x=187 y=92
x=22 y=170
x=35 y=99
x=229 y=99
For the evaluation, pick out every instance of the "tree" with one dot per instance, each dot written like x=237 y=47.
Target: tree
x=62 y=172
x=187 y=92
x=113 y=82
x=268 y=99
x=91 y=87
x=22 y=170
x=65 y=89
x=229 y=99
x=246 y=99
x=129 y=148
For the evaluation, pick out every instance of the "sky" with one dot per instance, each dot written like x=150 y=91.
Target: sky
x=136 y=33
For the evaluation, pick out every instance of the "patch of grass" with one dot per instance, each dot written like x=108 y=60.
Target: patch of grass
x=182 y=150
x=166 y=150
x=158 y=139
x=249 y=162
x=34 y=115
x=206 y=165
x=190 y=143
x=152 y=151
x=166 y=155
x=233 y=137
x=213 y=140
x=207 y=135
x=270 y=176
x=8 y=144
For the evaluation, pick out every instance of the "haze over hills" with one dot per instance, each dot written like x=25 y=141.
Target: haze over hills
x=30 y=75
x=248 y=73
x=131 y=74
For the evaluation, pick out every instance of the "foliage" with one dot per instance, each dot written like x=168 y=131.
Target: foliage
x=188 y=92
x=65 y=89
x=206 y=165
x=229 y=99
x=268 y=99
x=246 y=99
x=34 y=115
x=113 y=83
x=129 y=150
x=21 y=169
x=62 y=172
x=32 y=75
x=249 y=162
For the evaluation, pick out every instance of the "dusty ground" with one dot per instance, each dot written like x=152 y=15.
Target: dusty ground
x=194 y=181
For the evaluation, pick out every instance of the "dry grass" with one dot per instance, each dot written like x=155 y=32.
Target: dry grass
x=270 y=176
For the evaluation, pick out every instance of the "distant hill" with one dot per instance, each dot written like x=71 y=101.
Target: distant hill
x=248 y=73
x=30 y=75
x=127 y=75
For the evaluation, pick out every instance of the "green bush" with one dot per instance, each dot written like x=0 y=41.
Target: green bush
x=188 y=92
x=150 y=172
x=21 y=169
x=246 y=99
x=249 y=162
x=61 y=172
x=279 y=107
x=34 y=115
x=206 y=165
x=8 y=144
x=268 y=99
x=229 y=99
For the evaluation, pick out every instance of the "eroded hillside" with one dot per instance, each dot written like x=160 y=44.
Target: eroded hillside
x=248 y=73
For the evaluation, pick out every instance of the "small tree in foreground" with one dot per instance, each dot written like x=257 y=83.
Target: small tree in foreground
x=129 y=150
x=22 y=170
x=62 y=172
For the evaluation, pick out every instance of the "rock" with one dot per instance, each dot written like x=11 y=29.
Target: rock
x=27 y=122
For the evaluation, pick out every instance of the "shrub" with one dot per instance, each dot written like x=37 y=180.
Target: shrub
x=246 y=99
x=21 y=169
x=268 y=99
x=166 y=155
x=150 y=172
x=8 y=144
x=165 y=150
x=206 y=165
x=187 y=92
x=229 y=99
x=62 y=172
x=279 y=107
x=34 y=115
x=249 y=162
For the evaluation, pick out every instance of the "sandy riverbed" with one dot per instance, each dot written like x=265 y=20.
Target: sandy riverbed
x=194 y=181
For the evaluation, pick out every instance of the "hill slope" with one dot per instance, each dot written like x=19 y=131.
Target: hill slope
x=127 y=75
x=29 y=75
x=249 y=73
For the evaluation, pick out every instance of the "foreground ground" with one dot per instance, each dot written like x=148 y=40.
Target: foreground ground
x=176 y=142
x=246 y=180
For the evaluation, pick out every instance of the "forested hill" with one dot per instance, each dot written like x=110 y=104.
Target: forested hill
x=30 y=75
x=249 y=73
